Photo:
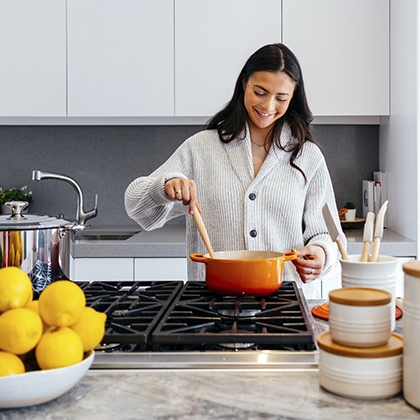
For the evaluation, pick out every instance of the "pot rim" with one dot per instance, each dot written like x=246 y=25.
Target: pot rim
x=286 y=256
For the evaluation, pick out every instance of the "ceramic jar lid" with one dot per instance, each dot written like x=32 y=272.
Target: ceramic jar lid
x=360 y=296
x=412 y=268
x=394 y=347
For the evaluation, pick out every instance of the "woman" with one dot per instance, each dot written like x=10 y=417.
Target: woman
x=257 y=173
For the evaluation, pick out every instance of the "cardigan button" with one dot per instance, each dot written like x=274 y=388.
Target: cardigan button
x=253 y=233
x=252 y=196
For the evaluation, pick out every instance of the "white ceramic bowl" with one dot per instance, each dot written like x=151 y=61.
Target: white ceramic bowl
x=37 y=387
x=361 y=373
x=359 y=317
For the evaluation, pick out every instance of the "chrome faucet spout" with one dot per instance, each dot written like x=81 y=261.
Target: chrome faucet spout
x=81 y=215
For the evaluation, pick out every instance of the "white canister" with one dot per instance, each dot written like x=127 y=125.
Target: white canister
x=359 y=316
x=411 y=333
x=378 y=275
x=362 y=373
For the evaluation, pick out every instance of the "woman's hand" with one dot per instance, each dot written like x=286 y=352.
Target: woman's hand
x=310 y=262
x=183 y=190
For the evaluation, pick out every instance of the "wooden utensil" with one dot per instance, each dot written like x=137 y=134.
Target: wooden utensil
x=367 y=235
x=379 y=231
x=333 y=230
x=203 y=231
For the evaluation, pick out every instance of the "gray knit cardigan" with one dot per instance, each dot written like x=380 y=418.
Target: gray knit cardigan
x=278 y=206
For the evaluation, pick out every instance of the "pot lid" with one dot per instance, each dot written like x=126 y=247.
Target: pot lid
x=412 y=268
x=394 y=347
x=20 y=221
x=360 y=296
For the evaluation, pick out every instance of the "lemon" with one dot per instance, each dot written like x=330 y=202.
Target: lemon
x=90 y=327
x=59 y=347
x=15 y=288
x=33 y=305
x=61 y=303
x=10 y=364
x=20 y=330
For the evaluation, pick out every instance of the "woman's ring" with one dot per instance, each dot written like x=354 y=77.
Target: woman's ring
x=178 y=192
x=312 y=272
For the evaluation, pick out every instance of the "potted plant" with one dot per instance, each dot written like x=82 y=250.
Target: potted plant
x=350 y=215
x=14 y=194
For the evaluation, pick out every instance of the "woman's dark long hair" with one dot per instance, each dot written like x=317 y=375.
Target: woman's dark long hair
x=230 y=121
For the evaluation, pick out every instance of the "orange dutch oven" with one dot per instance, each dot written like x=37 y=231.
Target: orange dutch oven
x=238 y=273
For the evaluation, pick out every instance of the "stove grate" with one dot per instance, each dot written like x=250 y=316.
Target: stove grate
x=198 y=317
x=132 y=308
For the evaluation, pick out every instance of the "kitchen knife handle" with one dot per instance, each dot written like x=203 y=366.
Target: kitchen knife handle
x=342 y=250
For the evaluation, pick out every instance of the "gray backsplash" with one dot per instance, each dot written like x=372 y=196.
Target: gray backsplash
x=105 y=159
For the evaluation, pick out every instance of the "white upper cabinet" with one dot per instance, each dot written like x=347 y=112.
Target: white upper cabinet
x=156 y=60
x=120 y=58
x=33 y=58
x=343 y=48
x=213 y=39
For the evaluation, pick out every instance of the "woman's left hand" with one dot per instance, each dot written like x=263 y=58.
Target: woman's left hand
x=310 y=262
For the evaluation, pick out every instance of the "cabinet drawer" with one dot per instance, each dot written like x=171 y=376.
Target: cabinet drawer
x=118 y=269
x=160 y=269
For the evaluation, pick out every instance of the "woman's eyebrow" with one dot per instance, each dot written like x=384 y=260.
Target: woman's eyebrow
x=265 y=90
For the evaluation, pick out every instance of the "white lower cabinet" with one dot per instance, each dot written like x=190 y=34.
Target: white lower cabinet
x=128 y=269
x=160 y=269
x=90 y=269
x=333 y=281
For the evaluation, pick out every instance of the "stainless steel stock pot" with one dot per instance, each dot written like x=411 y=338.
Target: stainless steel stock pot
x=39 y=245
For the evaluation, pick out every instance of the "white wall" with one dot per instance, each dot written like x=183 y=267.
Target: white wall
x=399 y=133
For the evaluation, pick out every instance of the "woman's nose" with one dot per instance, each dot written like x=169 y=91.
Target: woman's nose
x=268 y=103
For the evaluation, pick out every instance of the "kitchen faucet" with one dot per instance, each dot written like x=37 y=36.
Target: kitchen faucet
x=81 y=215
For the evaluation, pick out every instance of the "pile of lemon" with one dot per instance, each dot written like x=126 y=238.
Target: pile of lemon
x=57 y=329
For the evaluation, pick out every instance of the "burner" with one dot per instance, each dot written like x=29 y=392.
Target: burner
x=113 y=347
x=243 y=313
x=236 y=345
x=198 y=317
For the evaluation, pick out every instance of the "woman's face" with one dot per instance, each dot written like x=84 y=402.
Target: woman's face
x=267 y=96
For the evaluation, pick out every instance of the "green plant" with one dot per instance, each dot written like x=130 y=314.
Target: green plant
x=15 y=194
x=349 y=205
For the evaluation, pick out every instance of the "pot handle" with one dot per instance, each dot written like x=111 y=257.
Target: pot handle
x=290 y=255
x=198 y=258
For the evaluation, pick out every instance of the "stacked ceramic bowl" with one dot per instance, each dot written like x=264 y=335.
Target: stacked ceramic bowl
x=360 y=357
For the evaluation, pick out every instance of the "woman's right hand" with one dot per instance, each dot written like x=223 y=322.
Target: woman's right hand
x=183 y=190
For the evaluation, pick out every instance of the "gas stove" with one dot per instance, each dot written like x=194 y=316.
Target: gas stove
x=171 y=324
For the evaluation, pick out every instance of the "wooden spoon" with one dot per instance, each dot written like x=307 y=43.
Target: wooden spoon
x=203 y=231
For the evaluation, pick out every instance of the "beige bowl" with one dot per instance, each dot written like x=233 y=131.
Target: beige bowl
x=362 y=373
x=359 y=317
x=37 y=387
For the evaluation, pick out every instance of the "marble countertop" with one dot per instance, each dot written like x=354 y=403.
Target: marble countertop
x=170 y=242
x=186 y=394
x=205 y=395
